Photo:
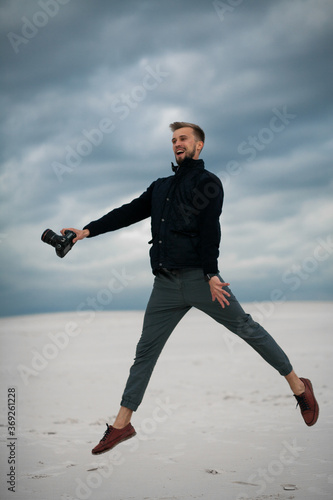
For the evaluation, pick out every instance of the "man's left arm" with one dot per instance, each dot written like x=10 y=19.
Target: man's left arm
x=211 y=191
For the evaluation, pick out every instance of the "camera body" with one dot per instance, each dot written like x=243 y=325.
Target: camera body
x=62 y=244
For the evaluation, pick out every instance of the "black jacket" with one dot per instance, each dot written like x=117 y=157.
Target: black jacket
x=184 y=210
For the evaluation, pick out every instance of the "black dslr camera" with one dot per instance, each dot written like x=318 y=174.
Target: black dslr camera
x=62 y=244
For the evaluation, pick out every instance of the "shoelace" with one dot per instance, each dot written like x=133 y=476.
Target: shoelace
x=107 y=432
x=302 y=402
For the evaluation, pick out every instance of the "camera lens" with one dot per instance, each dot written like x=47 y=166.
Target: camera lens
x=50 y=237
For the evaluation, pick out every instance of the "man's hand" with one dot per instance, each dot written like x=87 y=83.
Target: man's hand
x=80 y=233
x=216 y=289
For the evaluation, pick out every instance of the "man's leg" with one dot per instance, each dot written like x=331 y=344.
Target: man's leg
x=165 y=309
x=123 y=418
x=295 y=383
x=233 y=317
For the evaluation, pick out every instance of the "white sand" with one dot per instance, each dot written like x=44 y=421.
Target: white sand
x=216 y=423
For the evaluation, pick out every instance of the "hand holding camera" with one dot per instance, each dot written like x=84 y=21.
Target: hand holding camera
x=80 y=233
x=63 y=244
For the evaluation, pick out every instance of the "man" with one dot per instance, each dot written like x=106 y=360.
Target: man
x=185 y=209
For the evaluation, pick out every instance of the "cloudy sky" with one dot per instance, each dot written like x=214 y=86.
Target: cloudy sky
x=88 y=89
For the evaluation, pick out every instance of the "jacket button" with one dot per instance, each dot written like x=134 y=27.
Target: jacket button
x=162 y=220
x=160 y=241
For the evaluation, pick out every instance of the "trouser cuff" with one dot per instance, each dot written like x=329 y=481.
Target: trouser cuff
x=129 y=404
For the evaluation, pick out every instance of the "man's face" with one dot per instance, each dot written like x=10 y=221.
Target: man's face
x=185 y=145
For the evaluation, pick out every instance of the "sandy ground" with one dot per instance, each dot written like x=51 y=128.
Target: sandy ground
x=216 y=423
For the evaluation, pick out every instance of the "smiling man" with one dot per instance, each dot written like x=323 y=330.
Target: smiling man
x=187 y=142
x=185 y=209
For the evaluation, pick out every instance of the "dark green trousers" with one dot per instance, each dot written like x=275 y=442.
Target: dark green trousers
x=173 y=295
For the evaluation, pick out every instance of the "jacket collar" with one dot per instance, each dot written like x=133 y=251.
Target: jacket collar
x=188 y=163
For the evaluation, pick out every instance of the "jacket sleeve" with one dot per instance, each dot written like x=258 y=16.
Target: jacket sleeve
x=130 y=213
x=209 y=224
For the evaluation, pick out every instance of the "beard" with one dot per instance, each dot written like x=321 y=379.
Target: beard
x=186 y=154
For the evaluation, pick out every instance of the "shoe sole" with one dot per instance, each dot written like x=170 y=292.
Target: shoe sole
x=113 y=446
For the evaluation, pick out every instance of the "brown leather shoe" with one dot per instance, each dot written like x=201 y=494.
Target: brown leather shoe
x=112 y=437
x=308 y=404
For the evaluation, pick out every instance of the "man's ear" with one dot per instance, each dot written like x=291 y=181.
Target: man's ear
x=200 y=145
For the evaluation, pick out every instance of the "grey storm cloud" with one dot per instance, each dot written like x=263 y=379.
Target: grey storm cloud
x=88 y=90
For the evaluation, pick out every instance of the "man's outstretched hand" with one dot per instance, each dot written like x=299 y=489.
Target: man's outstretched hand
x=217 y=291
x=80 y=233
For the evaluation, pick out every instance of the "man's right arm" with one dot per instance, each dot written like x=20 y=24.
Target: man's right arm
x=130 y=213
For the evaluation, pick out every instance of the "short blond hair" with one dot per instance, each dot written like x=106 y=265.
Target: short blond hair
x=197 y=131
